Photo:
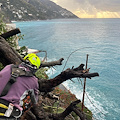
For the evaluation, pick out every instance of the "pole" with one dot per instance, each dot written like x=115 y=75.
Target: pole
x=84 y=84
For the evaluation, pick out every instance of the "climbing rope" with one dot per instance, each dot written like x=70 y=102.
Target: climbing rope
x=79 y=80
x=71 y=54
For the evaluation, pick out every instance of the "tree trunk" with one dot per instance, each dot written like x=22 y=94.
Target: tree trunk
x=7 y=54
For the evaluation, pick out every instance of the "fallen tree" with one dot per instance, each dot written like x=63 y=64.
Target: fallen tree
x=9 y=56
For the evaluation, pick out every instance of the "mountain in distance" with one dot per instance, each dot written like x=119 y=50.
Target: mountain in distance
x=24 y=10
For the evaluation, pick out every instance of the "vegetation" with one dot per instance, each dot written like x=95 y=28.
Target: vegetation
x=66 y=97
x=11 y=40
x=41 y=73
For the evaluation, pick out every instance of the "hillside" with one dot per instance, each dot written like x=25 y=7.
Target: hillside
x=23 y=10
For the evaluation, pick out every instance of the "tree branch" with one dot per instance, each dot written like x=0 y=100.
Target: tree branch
x=79 y=113
x=53 y=63
x=48 y=85
x=10 y=33
x=68 y=110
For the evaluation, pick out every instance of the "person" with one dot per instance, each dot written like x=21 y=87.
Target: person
x=19 y=87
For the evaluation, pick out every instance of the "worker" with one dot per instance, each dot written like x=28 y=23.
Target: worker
x=19 y=87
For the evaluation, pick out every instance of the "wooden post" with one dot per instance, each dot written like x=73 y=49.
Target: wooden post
x=84 y=84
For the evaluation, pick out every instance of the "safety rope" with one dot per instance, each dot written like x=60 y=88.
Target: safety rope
x=79 y=80
x=71 y=54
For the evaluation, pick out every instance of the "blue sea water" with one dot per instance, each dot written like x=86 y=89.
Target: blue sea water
x=100 y=38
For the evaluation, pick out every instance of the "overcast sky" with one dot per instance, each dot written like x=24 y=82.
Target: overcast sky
x=92 y=8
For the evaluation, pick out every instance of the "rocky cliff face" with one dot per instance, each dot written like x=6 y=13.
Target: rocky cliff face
x=23 y=10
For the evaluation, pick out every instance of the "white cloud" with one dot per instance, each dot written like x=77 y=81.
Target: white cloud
x=106 y=5
x=92 y=8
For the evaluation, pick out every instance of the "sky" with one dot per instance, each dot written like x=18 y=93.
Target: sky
x=92 y=8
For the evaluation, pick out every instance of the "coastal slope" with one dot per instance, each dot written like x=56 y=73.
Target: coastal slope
x=24 y=10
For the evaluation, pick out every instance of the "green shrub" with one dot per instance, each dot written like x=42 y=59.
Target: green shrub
x=41 y=73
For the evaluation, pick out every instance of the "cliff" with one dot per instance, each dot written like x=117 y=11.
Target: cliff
x=23 y=10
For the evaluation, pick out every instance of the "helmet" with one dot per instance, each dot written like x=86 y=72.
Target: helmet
x=33 y=59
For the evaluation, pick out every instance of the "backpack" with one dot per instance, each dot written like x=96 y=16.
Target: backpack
x=16 y=72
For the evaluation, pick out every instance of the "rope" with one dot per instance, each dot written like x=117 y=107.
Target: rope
x=71 y=54
x=90 y=100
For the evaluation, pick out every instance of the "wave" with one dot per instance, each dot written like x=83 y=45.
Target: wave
x=90 y=101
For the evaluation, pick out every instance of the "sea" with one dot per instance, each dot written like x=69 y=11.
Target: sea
x=73 y=39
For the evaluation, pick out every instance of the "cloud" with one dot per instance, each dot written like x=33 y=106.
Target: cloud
x=70 y=5
x=106 y=5
x=92 y=8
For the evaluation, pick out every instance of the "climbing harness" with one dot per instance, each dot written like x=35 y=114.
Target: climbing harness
x=16 y=72
x=8 y=109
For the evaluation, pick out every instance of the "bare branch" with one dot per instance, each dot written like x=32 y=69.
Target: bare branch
x=10 y=33
x=53 y=63
x=48 y=85
x=68 y=110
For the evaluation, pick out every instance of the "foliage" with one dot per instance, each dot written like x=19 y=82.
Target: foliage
x=41 y=73
x=66 y=97
x=23 y=51
x=86 y=111
x=11 y=40
x=1 y=66
x=53 y=109
x=2 y=26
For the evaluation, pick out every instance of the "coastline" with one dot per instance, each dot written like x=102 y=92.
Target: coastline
x=62 y=87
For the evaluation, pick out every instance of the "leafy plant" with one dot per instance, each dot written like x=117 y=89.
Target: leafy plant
x=12 y=40
x=1 y=66
x=41 y=73
x=2 y=26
